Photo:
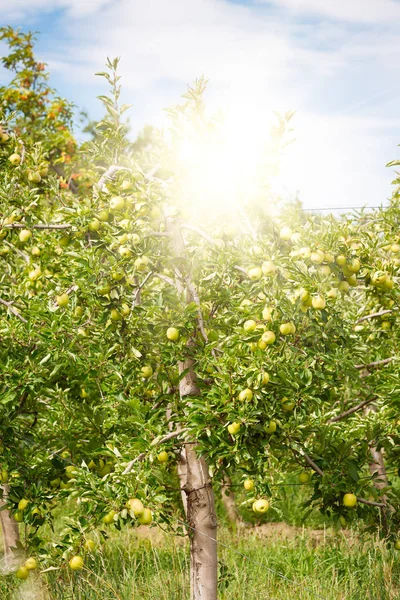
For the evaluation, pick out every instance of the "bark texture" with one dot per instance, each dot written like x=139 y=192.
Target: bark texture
x=10 y=531
x=200 y=508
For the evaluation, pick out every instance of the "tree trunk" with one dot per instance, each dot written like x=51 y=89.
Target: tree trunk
x=201 y=513
x=228 y=500
x=10 y=531
x=203 y=535
x=202 y=518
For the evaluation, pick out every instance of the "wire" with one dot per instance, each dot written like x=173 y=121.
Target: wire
x=340 y=208
x=255 y=562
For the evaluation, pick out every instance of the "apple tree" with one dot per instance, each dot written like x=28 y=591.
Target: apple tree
x=143 y=336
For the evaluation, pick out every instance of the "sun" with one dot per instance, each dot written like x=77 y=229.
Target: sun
x=223 y=165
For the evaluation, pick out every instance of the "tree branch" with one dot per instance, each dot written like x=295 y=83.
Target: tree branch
x=13 y=310
x=321 y=473
x=198 y=230
x=37 y=226
x=377 y=363
x=109 y=176
x=352 y=410
x=371 y=503
x=136 y=295
x=155 y=442
x=373 y=315
x=165 y=278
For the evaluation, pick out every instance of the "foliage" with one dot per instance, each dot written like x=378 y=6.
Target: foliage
x=87 y=370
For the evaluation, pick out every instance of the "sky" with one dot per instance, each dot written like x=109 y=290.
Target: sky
x=335 y=62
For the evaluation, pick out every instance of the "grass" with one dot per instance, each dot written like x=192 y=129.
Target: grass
x=156 y=568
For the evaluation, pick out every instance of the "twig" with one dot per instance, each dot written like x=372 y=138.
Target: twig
x=240 y=269
x=136 y=295
x=23 y=255
x=200 y=319
x=371 y=503
x=165 y=278
x=155 y=442
x=109 y=176
x=377 y=363
x=157 y=234
x=346 y=413
x=13 y=310
x=198 y=230
x=37 y=226
x=373 y=315
x=312 y=464
x=321 y=473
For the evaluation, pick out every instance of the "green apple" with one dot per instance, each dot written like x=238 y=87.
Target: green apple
x=18 y=516
x=317 y=257
x=234 y=428
x=89 y=545
x=246 y=395
x=117 y=203
x=147 y=371
x=319 y=302
x=62 y=300
x=31 y=564
x=260 y=506
x=248 y=485
x=162 y=457
x=287 y=328
x=173 y=334
x=378 y=278
x=23 y=503
x=264 y=378
x=349 y=500
x=341 y=260
x=34 y=177
x=136 y=506
x=94 y=225
x=304 y=477
x=115 y=315
x=25 y=235
x=287 y=405
x=109 y=517
x=255 y=273
x=271 y=427
x=268 y=337
x=268 y=268
x=141 y=263
x=34 y=274
x=103 y=215
x=76 y=563
x=397 y=545
x=125 y=251
x=125 y=310
x=71 y=471
x=249 y=326
x=22 y=573
x=285 y=233
x=146 y=517
x=14 y=159
x=343 y=286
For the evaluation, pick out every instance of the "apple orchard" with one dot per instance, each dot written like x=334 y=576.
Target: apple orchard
x=152 y=350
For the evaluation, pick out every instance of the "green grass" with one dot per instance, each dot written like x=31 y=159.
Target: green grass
x=130 y=568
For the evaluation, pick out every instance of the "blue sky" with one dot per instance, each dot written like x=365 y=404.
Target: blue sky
x=336 y=62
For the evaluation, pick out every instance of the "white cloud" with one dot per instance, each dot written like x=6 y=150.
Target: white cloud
x=256 y=62
x=357 y=11
x=20 y=9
